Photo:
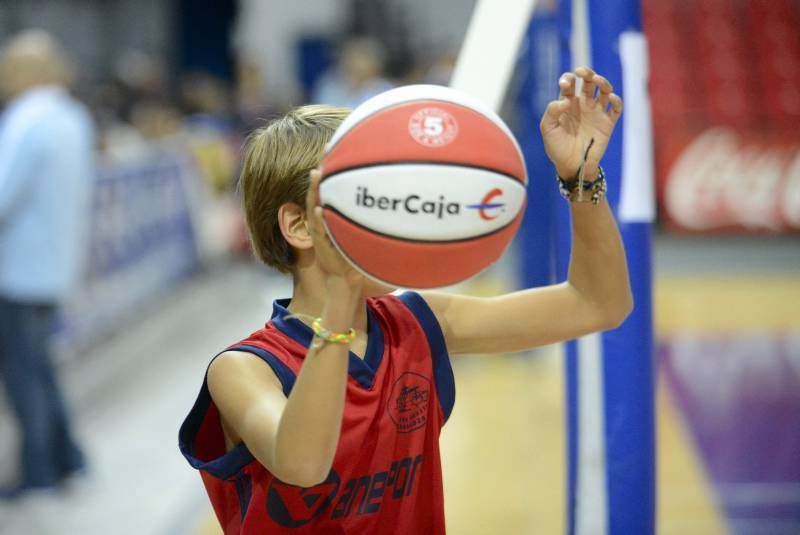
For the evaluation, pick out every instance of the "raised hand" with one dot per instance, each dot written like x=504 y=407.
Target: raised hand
x=329 y=258
x=570 y=123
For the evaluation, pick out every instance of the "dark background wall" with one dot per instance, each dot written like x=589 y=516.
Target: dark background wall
x=97 y=32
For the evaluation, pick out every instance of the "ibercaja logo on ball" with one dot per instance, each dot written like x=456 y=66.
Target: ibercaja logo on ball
x=487 y=209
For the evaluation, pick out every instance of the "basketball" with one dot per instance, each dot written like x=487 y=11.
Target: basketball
x=422 y=186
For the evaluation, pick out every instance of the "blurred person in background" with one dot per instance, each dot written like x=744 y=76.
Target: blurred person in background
x=440 y=71
x=251 y=104
x=210 y=128
x=357 y=77
x=46 y=167
x=133 y=107
x=207 y=104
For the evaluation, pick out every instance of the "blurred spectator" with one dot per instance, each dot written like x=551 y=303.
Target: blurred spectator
x=139 y=78
x=46 y=165
x=251 y=105
x=210 y=130
x=133 y=107
x=206 y=101
x=441 y=70
x=358 y=76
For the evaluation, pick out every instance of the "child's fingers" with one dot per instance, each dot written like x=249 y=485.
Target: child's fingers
x=315 y=219
x=316 y=175
x=312 y=195
x=318 y=224
x=566 y=85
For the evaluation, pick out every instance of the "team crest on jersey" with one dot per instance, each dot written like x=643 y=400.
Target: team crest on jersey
x=408 y=403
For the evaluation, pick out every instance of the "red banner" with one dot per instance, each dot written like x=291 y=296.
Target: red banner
x=726 y=113
x=722 y=179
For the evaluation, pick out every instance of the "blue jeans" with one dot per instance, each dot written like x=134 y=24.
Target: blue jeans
x=49 y=452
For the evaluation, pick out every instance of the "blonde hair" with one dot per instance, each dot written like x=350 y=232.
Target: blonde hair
x=277 y=161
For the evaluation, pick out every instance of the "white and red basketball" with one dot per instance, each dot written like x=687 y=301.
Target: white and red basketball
x=422 y=186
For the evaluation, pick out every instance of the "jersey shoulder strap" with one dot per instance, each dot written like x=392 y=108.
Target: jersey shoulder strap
x=410 y=310
x=275 y=349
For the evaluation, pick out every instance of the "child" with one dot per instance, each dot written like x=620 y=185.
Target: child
x=327 y=420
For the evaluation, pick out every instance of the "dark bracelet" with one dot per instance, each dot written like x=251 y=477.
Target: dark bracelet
x=577 y=190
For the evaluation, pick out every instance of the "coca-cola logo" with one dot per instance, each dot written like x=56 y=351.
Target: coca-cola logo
x=721 y=181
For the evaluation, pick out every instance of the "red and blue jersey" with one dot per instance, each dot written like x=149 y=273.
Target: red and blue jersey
x=386 y=476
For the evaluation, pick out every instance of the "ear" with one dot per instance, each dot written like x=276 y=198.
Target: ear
x=294 y=227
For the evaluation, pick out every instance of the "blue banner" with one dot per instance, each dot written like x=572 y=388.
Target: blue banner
x=142 y=240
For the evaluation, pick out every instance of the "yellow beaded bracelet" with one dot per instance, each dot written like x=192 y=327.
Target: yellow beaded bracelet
x=330 y=336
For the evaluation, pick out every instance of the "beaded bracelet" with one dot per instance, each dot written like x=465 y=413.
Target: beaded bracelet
x=330 y=336
x=573 y=190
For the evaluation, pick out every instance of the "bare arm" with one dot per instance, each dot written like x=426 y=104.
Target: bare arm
x=295 y=438
x=596 y=295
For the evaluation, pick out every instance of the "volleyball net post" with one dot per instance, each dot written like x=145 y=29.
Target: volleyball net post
x=610 y=375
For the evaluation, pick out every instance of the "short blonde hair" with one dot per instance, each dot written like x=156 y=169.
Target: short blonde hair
x=277 y=161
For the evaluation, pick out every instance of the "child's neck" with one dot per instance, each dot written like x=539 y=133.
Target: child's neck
x=309 y=298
